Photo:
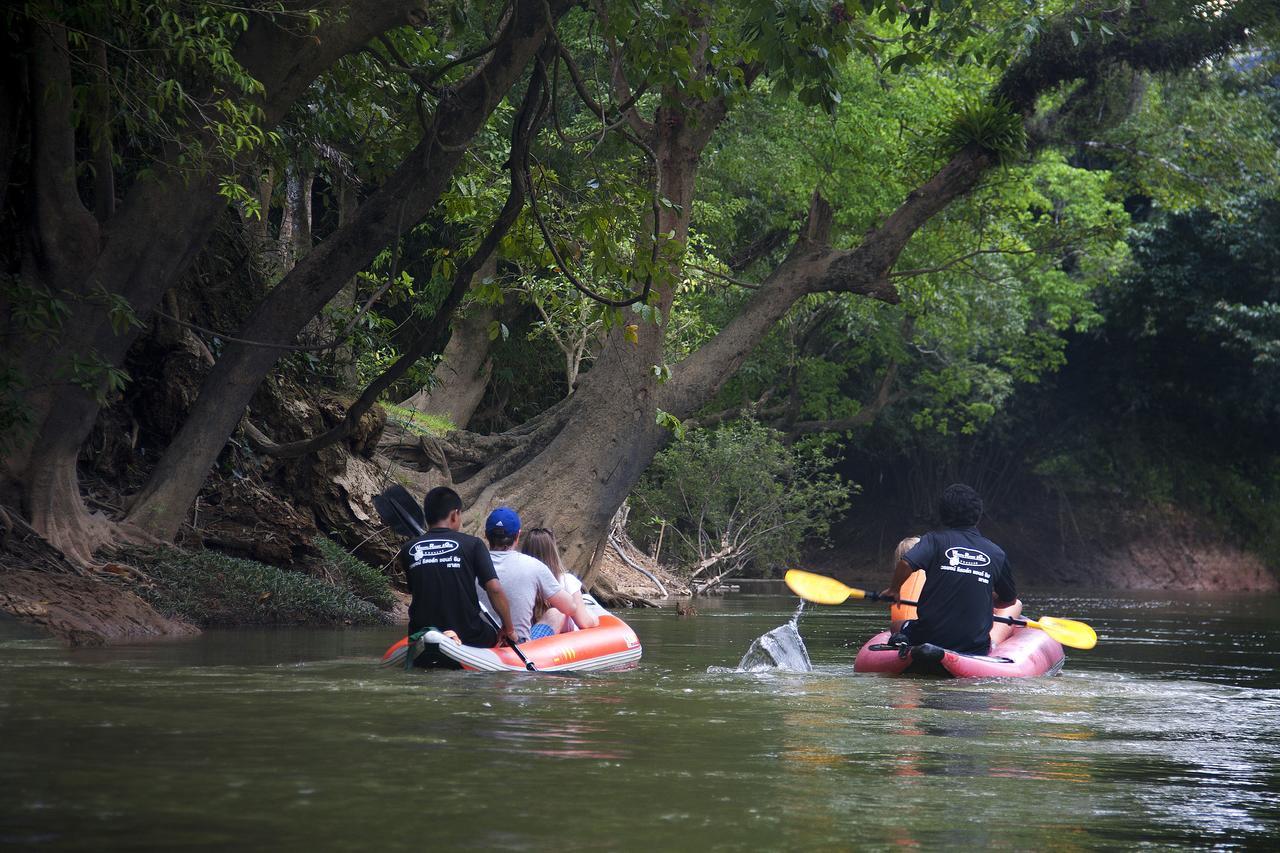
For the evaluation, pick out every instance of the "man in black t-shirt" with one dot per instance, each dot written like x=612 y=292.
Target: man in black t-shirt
x=965 y=574
x=443 y=566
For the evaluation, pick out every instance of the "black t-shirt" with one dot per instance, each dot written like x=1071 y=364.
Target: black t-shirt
x=443 y=567
x=962 y=569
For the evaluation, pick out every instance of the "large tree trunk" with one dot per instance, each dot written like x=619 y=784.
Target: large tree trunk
x=465 y=365
x=63 y=244
x=576 y=483
x=573 y=479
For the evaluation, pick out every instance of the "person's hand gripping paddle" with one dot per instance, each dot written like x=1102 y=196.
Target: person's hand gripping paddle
x=821 y=589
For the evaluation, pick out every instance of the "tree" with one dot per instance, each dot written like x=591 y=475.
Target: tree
x=655 y=81
x=581 y=457
x=214 y=85
x=1174 y=398
x=275 y=59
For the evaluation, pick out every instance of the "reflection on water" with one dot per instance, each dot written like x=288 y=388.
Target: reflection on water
x=1164 y=736
x=570 y=739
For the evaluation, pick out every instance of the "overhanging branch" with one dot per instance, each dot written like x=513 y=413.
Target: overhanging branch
x=436 y=335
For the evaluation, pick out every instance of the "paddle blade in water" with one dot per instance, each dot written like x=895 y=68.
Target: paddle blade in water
x=819 y=589
x=1069 y=632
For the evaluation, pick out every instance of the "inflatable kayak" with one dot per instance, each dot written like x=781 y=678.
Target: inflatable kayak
x=1026 y=652
x=610 y=645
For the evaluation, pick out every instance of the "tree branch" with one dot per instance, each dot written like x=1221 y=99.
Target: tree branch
x=434 y=338
x=618 y=79
x=885 y=397
x=1143 y=155
x=757 y=248
x=739 y=282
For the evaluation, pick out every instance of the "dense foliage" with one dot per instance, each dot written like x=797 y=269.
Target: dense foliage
x=735 y=497
x=775 y=225
x=1176 y=396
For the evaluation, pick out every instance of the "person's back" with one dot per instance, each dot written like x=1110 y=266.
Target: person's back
x=445 y=569
x=964 y=573
x=526 y=580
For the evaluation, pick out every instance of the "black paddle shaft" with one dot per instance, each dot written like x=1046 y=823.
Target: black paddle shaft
x=893 y=599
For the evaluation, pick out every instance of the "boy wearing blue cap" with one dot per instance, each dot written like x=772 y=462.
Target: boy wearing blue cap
x=525 y=579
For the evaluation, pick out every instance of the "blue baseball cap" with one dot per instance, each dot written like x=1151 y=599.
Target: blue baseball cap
x=503 y=520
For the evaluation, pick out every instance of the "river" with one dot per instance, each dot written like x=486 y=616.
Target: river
x=1164 y=735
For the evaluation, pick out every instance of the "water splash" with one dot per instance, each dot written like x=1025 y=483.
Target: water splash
x=780 y=649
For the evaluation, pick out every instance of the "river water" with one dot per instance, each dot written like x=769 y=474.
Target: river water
x=1165 y=735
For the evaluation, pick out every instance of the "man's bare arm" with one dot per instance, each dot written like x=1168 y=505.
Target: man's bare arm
x=498 y=598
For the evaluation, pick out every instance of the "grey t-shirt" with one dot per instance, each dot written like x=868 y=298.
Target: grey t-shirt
x=524 y=580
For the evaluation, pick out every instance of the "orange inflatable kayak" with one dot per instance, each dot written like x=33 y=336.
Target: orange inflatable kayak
x=610 y=645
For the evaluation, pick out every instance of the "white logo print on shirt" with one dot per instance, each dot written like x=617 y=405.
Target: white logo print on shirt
x=968 y=561
x=431 y=549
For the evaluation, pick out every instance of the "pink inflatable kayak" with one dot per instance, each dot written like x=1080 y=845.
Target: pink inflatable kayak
x=1027 y=652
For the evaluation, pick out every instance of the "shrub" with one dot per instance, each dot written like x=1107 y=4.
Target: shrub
x=349 y=571
x=737 y=497
x=212 y=589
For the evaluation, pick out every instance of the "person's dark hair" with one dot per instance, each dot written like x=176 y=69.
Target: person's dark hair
x=499 y=541
x=439 y=502
x=540 y=543
x=959 y=506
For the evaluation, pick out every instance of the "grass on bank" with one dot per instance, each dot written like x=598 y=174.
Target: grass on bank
x=209 y=589
x=358 y=577
x=418 y=423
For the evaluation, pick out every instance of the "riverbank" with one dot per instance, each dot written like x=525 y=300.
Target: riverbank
x=133 y=595
x=149 y=594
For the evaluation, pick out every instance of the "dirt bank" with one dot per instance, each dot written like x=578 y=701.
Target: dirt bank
x=81 y=607
x=82 y=611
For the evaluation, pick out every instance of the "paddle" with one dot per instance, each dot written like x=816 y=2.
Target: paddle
x=400 y=511
x=821 y=589
x=403 y=515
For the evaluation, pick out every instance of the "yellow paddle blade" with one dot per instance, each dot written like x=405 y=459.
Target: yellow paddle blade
x=1069 y=632
x=820 y=589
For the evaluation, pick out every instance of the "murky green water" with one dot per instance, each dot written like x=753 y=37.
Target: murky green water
x=1165 y=735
